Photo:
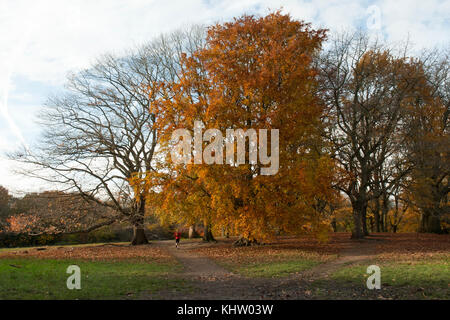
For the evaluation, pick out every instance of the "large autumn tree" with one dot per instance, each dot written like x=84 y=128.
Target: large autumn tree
x=253 y=73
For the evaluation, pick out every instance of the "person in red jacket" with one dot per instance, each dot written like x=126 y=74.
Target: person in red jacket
x=177 y=238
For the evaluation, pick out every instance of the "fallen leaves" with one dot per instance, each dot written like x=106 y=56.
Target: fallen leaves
x=103 y=252
x=282 y=249
x=412 y=246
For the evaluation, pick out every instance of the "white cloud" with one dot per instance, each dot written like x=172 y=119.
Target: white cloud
x=41 y=41
x=53 y=37
x=426 y=22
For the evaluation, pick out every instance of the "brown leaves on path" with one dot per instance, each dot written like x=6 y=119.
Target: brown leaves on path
x=386 y=246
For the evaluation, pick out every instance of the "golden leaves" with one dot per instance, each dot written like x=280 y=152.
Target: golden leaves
x=253 y=73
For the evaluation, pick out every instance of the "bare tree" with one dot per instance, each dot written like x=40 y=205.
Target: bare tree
x=100 y=133
x=365 y=87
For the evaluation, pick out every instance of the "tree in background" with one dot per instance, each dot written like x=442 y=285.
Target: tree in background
x=428 y=144
x=4 y=205
x=366 y=88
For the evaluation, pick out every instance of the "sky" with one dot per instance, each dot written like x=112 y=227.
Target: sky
x=42 y=41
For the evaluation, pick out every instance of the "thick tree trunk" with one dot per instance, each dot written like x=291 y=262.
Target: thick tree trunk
x=207 y=234
x=139 y=236
x=364 y=221
x=358 y=232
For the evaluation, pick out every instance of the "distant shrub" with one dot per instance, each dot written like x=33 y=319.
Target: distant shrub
x=12 y=240
x=114 y=233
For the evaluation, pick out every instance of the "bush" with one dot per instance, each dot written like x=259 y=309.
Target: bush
x=104 y=234
x=12 y=240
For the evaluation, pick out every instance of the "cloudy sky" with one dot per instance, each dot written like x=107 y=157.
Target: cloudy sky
x=41 y=41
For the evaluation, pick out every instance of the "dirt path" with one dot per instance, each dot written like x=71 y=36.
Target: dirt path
x=195 y=266
x=211 y=281
x=356 y=252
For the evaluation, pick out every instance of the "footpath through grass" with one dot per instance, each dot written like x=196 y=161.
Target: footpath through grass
x=26 y=278
x=280 y=259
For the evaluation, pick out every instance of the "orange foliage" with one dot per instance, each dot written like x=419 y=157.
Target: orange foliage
x=253 y=73
x=21 y=223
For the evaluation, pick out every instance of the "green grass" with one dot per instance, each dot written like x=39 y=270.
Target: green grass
x=426 y=274
x=46 y=279
x=274 y=269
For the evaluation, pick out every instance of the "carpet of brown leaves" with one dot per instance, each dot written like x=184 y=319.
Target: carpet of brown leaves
x=281 y=249
x=387 y=246
x=94 y=253
x=412 y=246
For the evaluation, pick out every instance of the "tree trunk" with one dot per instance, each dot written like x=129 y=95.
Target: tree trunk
x=358 y=232
x=139 y=236
x=192 y=231
x=364 y=221
x=334 y=225
x=371 y=224
x=384 y=213
x=207 y=234
x=377 y=215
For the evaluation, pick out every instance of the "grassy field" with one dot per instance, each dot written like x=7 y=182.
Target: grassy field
x=427 y=278
x=108 y=271
x=275 y=268
x=412 y=267
x=46 y=279
x=419 y=274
